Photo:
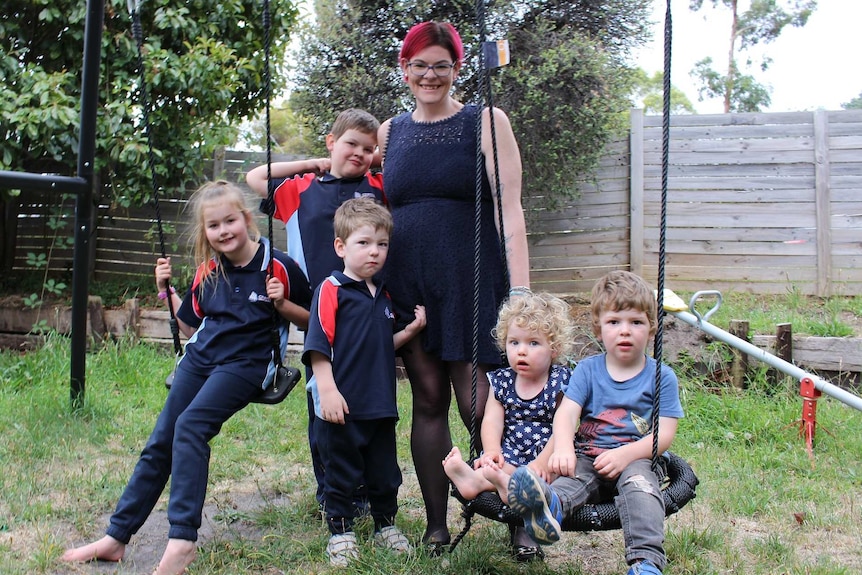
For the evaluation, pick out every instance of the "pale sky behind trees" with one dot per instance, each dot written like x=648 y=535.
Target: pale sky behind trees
x=816 y=66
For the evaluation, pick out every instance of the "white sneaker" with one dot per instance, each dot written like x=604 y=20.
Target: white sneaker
x=342 y=549
x=391 y=538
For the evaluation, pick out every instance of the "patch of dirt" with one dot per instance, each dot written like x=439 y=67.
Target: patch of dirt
x=225 y=516
x=677 y=336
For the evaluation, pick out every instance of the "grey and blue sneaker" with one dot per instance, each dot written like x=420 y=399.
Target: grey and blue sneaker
x=644 y=568
x=535 y=501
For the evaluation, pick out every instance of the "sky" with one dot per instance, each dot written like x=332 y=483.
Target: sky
x=813 y=67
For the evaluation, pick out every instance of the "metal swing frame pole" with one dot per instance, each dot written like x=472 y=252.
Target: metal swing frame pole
x=84 y=202
x=83 y=188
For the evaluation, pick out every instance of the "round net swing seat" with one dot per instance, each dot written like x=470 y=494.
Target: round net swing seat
x=677 y=490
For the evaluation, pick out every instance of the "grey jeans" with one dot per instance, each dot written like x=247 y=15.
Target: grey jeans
x=638 y=500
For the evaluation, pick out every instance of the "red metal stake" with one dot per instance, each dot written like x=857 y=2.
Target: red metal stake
x=808 y=423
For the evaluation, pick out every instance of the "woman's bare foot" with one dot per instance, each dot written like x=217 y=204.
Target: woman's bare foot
x=178 y=555
x=499 y=479
x=105 y=549
x=468 y=481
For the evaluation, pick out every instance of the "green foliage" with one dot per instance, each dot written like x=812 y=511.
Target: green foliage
x=565 y=90
x=809 y=315
x=765 y=19
x=854 y=104
x=763 y=23
x=288 y=132
x=113 y=292
x=649 y=91
x=557 y=66
x=744 y=92
x=203 y=68
x=57 y=221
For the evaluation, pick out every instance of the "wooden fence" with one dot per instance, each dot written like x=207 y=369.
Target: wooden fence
x=126 y=242
x=761 y=203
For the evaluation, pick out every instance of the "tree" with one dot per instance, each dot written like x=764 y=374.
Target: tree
x=289 y=132
x=348 y=58
x=649 y=91
x=762 y=23
x=854 y=104
x=204 y=72
x=565 y=91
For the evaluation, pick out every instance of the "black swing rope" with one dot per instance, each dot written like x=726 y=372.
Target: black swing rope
x=484 y=85
x=681 y=480
x=285 y=378
x=137 y=30
x=660 y=312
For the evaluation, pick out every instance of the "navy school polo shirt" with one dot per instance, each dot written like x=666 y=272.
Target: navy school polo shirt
x=306 y=204
x=233 y=316
x=354 y=330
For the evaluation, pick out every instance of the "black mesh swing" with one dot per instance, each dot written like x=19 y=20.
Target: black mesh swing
x=678 y=479
x=286 y=377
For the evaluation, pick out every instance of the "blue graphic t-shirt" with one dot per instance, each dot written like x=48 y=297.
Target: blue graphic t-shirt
x=618 y=412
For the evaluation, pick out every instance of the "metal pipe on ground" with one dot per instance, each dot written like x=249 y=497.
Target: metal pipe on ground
x=699 y=321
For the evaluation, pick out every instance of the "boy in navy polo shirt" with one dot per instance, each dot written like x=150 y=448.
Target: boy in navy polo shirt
x=307 y=193
x=350 y=346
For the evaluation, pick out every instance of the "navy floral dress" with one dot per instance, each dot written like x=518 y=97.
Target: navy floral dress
x=527 y=421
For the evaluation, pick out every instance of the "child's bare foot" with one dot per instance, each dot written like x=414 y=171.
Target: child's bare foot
x=468 y=481
x=497 y=477
x=454 y=453
x=178 y=555
x=105 y=549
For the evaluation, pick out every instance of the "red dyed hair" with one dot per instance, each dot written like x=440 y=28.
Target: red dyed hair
x=427 y=34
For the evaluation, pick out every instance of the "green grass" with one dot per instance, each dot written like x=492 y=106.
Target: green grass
x=63 y=471
x=809 y=315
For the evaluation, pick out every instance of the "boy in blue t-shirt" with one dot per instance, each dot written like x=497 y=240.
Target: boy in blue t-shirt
x=602 y=430
x=307 y=193
x=350 y=346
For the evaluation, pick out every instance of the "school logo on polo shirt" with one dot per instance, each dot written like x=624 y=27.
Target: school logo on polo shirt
x=389 y=314
x=255 y=297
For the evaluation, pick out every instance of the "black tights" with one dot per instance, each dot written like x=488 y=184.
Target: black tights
x=432 y=382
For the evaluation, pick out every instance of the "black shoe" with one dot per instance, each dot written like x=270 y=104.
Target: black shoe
x=436 y=543
x=524 y=548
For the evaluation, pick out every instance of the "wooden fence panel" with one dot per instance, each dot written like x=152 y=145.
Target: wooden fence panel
x=575 y=244
x=749 y=202
x=845 y=184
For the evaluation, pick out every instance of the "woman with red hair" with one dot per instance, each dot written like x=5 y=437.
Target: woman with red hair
x=430 y=166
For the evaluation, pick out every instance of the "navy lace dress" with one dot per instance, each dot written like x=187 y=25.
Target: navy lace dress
x=430 y=182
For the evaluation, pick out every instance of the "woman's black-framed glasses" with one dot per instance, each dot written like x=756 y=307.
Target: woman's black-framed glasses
x=419 y=69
